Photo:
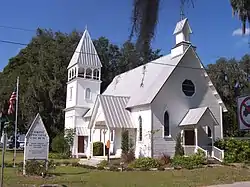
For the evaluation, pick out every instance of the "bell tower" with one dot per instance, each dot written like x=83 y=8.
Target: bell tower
x=84 y=81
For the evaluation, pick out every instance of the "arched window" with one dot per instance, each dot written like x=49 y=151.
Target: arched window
x=140 y=128
x=96 y=74
x=166 y=124
x=209 y=132
x=88 y=73
x=88 y=93
x=81 y=72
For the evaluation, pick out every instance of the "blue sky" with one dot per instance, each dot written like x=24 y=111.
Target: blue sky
x=211 y=22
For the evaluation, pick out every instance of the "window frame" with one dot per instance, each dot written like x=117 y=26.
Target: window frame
x=164 y=125
x=185 y=91
x=140 y=129
x=86 y=92
x=70 y=93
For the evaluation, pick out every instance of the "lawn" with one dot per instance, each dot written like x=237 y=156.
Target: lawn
x=76 y=177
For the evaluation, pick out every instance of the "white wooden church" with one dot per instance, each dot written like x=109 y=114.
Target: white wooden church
x=154 y=102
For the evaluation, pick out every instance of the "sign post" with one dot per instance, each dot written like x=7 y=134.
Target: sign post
x=36 y=143
x=243 y=110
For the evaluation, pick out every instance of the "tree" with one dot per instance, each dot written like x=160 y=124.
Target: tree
x=145 y=16
x=241 y=8
x=179 y=150
x=42 y=68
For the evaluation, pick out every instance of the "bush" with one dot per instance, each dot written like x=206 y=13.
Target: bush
x=191 y=162
x=165 y=159
x=35 y=167
x=75 y=164
x=179 y=150
x=103 y=163
x=113 y=168
x=145 y=163
x=128 y=157
x=125 y=142
x=60 y=145
x=100 y=168
x=98 y=149
x=59 y=155
x=235 y=150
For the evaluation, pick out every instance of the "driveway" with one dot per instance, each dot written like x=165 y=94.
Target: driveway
x=237 y=184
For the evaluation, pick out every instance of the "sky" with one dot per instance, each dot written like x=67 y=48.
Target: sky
x=216 y=33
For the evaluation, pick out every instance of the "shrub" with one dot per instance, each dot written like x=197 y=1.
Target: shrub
x=165 y=159
x=75 y=164
x=59 y=155
x=145 y=163
x=128 y=157
x=235 y=150
x=113 y=168
x=125 y=142
x=161 y=168
x=193 y=161
x=60 y=145
x=103 y=163
x=97 y=148
x=35 y=167
x=100 y=168
x=179 y=150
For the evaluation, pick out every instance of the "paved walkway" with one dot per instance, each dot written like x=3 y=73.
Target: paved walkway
x=237 y=184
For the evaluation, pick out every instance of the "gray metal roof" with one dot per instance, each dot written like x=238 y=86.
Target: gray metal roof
x=144 y=82
x=85 y=54
x=180 y=26
x=194 y=115
x=82 y=131
x=116 y=115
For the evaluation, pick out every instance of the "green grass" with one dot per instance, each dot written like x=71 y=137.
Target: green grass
x=9 y=155
x=76 y=177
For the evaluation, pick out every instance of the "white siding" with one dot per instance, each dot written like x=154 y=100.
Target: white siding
x=71 y=101
x=172 y=99
x=143 y=148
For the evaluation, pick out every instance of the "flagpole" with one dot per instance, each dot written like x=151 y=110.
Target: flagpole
x=17 y=95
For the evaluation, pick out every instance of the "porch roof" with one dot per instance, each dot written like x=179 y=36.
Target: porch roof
x=194 y=116
x=113 y=108
x=82 y=131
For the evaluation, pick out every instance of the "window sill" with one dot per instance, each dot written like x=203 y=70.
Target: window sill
x=167 y=137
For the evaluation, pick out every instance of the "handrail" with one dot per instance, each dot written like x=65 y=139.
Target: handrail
x=205 y=151
x=219 y=157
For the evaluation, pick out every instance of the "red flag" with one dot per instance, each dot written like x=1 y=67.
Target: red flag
x=12 y=102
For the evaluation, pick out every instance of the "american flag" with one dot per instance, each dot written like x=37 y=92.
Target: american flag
x=12 y=102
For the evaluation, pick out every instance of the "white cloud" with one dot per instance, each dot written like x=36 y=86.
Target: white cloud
x=238 y=32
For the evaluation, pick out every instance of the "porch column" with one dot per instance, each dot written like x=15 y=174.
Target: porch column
x=196 y=138
x=212 y=134
x=90 y=143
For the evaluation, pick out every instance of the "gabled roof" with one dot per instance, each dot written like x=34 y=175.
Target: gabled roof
x=85 y=53
x=115 y=114
x=144 y=82
x=181 y=25
x=194 y=116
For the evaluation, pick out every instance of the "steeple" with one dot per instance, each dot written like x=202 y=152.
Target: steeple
x=182 y=37
x=85 y=62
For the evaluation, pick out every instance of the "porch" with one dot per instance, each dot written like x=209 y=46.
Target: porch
x=197 y=132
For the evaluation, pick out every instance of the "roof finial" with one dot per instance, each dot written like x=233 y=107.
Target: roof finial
x=86 y=27
x=182 y=9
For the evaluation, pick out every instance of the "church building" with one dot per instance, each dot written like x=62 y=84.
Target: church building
x=155 y=102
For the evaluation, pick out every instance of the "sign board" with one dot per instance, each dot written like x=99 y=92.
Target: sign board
x=36 y=141
x=243 y=107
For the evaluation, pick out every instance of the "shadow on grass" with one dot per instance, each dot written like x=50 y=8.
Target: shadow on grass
x=64 y=173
